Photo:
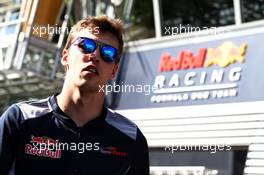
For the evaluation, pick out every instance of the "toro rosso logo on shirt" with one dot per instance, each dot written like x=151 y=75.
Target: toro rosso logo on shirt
x=44 y=147
x=112 y=151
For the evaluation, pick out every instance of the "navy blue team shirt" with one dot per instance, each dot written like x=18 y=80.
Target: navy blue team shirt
x=38 y=138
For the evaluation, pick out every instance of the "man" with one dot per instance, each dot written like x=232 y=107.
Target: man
x=73 y=132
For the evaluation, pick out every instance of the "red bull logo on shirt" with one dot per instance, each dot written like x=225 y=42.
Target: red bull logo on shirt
x=43 y=146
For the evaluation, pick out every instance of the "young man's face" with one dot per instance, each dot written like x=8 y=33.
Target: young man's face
x=79 y=65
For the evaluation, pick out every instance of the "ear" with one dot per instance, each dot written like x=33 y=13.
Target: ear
x=115 y=70
x=64 y=59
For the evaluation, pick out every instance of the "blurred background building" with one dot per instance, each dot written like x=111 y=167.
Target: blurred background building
x=228 y=112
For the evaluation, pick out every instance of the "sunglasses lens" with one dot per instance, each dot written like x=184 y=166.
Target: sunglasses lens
x=108 y=53
x=87 y=46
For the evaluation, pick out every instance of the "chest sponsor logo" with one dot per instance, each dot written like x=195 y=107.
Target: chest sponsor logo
x=111 y=150
x=43 y=146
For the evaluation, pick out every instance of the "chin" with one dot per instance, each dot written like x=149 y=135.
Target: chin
x=89 y=87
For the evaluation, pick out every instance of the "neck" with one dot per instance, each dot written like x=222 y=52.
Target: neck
x=80 y=106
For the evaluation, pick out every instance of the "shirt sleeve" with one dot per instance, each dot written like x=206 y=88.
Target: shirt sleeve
x=8 y=130
x=140 y=164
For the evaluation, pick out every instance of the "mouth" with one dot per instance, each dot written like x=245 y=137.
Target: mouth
x=91 y=69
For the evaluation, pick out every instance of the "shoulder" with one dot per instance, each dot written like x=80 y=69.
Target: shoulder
x=10 y=115
x=123 y=124
x=24 y=110
x=34 y=108
x=140 y=146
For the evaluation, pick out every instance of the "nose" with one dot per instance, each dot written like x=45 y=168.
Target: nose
x=95 y=56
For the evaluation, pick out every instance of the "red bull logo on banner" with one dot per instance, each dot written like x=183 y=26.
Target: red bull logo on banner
x=202 y=84
x=224 y=55
x=185 y=60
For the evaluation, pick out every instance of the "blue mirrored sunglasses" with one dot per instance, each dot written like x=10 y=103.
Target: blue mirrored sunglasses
x=87 y=45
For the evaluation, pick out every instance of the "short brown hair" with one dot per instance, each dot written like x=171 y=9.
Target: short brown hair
x=104 y=23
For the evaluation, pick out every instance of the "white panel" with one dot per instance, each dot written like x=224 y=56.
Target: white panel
x=202 y=134
x=201 y=127
x=257 y=147
x=195 y=111
x=255 y=162
x=254 y=170
x=202 y=120
x=256 y=155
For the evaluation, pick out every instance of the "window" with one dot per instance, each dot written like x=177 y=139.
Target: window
x=140 y=24
x=252 y=10
x=196 y=13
